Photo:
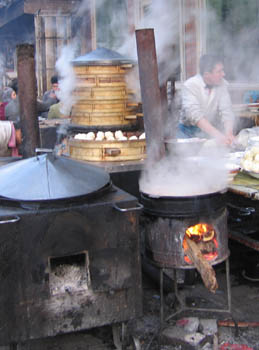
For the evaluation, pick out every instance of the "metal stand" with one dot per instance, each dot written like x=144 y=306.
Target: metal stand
x=181 y=302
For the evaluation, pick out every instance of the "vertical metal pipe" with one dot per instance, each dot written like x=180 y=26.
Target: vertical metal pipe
x=228 y=285
x=88 y=28
x=27 y=92
x=87 y=32
x=161 y=296
x=191 y=38
x=150 y=94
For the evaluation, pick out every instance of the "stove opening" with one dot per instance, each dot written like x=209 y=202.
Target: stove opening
x=205 y=238
x=69 y=273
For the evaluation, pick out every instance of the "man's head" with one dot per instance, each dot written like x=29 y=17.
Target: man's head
x=54 y=82
x=8 y=94
x=212 y=69
x=14 y=85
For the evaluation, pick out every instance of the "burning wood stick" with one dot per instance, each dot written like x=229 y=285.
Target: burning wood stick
x=205 y=269
x=230 y=323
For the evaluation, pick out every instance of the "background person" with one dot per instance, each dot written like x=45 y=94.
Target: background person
x=12 y=108
x=50 y=97
x=251 y=96
x=206 y=109
x=56 y=112
x=10 y=138
x=5 y=97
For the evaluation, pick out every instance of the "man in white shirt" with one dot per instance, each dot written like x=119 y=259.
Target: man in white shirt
x=206 y=105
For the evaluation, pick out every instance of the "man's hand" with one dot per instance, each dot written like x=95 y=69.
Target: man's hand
x=207 y=127
x=230 y=138
x=52 y=94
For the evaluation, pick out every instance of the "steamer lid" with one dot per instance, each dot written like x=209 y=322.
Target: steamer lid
x=102 y=57
x=49 y=177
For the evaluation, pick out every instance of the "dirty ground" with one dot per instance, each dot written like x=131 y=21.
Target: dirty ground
x=143 y=333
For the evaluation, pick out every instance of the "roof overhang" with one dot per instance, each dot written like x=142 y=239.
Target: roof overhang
x=21 y=7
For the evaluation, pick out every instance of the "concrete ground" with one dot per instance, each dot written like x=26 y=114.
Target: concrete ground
x=244 y=308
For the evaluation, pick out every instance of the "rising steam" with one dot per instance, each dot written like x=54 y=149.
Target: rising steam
x=67 y=79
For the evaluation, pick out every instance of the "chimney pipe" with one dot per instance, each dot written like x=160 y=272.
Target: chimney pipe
x=27 y=93
x=150 y=94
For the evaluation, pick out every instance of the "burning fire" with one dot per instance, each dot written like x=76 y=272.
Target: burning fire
x=205 y=237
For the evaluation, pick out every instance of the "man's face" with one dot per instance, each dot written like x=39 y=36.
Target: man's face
x=215 y=76
x=55 y=86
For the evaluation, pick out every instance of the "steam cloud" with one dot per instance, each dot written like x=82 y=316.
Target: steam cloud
x=67 y=79
x=178 y=175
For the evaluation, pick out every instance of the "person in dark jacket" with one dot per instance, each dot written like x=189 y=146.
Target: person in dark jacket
x=50 y=97
x=12 y=109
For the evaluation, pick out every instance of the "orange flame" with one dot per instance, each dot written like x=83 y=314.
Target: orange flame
x=202 y=232
x=198 y=233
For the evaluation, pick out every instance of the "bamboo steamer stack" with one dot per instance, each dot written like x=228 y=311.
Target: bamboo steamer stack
x=102 y=97
x=103 y=100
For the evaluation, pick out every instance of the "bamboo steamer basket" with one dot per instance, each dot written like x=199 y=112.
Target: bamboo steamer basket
x=108 y=151
x=102 y=97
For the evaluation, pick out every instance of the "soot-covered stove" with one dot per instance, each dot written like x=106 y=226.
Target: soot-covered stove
x=69 y=249
x=171 y=222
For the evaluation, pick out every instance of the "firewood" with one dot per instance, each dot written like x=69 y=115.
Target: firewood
x=230 y=323
x=206 y=247
x=205 y=269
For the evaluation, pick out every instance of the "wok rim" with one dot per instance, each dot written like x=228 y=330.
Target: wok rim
x=199 y=196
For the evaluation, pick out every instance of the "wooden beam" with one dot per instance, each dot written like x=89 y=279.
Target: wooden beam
x=21 y=7
x=9 y=14
x=60 y=6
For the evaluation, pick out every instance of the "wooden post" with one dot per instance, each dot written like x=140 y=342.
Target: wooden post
x=50 y=42
x=27 y=93
x=61 y=34
x=52 y=32
x=40 y=55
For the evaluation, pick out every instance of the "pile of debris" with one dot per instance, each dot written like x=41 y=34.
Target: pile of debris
x=192 y=332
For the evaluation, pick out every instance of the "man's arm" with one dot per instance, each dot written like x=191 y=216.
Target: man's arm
x=49 y=98
x=206 y=126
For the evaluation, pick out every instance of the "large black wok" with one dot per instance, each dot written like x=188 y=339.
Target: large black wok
x=186 y=206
